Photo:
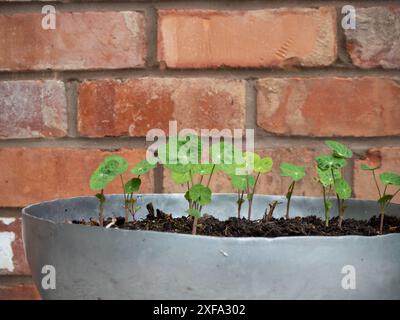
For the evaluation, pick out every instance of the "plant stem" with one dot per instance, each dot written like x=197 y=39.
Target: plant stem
x=339 y=204
x=252 y=195
x=240 y=202
x=101 y=215
x=125 y=200
x=289 y=197
x=194 y=229
x=376 y=184
x=191 y=177
x=326 y=207
x=382 y=212
x=211 y=174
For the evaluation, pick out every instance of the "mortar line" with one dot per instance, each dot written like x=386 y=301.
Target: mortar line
x=35 y=6
x=243 y=73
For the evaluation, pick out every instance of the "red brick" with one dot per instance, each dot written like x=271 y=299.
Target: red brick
x=331 y=106
x=81 y=40
x=31 y=109
x=269 y=183
x=25 y=291
x=388 y=159
x=376 y=40
x=35 y=174
x=257 y=38
x=11 y=245
x=134 y=106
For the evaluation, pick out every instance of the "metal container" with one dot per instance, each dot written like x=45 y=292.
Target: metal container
x=100 y=263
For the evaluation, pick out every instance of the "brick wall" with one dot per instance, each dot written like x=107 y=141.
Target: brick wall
x=111 y=71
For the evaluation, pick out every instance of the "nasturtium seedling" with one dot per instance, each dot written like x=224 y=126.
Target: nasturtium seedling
x=296 y=173
x=242 y=183
x=199 y=196
x=339 y=150
x=388 y=179
x=334 y=163
x=111 y=167
x=326 y=179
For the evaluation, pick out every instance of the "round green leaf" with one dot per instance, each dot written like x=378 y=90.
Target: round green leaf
x=142 y=167
x=339 y=150
x=200 y=194
x=113 y=165
x=263 y=165
x=239 y=182
x=342 y=188
x=390 y=178
x=290 y=170
x=325 y=162
x=133 y=185
x=368 y=168
x=180 y=178
x=385 y=199
x=325 y=176
x=202 y=169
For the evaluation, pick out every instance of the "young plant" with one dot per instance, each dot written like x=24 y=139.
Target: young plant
x=335 y=163
x=111 y=167
x=133 y=185
x=242 y=183
x=387 y=178
x=326 y=179
x=199 y=196
x=296 y=173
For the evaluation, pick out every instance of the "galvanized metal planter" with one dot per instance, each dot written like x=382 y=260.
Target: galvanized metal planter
x=99 y=263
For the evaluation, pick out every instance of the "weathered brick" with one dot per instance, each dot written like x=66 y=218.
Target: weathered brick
x=134 y=106
x=81 y=40
x=36 y=174
x=376 y=39
x=329 y=106
x=19 y=291
x=13 y=259
x=30 y=109
x=256 y=38
x=269 y=183
x=388 y=159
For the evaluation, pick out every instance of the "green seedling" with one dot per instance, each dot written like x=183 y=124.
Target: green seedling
x=334 y=164
x=111 y=167
x=326 y=179
x=133 y=185
x=296 y=173
x=388 y=179
x=199 y=196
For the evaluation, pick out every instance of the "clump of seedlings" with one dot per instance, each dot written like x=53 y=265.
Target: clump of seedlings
x=253 y=163
x=388 y=179
x=330 y=168
x=183 y=158
x=186 y=168
x=296 y=173
x=112 y=167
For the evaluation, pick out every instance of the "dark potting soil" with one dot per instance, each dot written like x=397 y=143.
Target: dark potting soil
x=158 y=220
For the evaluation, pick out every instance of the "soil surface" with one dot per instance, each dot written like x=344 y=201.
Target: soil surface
x=158 y=220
